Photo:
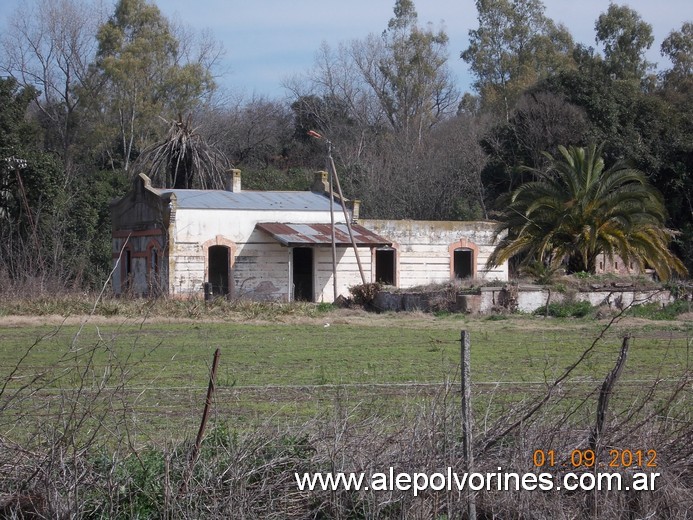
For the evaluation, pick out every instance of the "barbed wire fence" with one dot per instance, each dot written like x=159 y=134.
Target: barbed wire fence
x=97 y=395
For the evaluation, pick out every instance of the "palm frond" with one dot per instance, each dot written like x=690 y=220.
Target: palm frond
x=183 y=159
x=577 y=209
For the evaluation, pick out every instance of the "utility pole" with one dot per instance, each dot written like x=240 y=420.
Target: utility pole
x=333 y=242
x=347 y=218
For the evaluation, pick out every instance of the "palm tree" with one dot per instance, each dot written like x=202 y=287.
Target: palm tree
x=577 y=210
x=183 y=159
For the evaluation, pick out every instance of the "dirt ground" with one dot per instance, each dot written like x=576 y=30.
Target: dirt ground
x=351 y=317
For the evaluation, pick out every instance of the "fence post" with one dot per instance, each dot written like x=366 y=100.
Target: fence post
x=605 y=395
x=205 y=415
x=468 y=457
x=595 y=441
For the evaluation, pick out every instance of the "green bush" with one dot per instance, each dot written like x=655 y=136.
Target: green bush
x=655 y=311
x=141 y=485
x=566 y=309
x=323 y=307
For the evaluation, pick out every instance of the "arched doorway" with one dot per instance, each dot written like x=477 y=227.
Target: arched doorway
x=218 y=272
x=464 y=255
x=302 y=273
x=386 y=265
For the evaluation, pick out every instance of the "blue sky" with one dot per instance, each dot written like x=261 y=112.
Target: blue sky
x=266 y=41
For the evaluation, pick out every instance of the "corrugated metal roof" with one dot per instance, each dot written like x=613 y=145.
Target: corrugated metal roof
x=321 y=234
x=251 y=200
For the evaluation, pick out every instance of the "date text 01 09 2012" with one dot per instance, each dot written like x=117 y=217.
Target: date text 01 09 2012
x=587 y=459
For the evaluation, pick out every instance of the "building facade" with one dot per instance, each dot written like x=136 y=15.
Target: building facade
x=427 y=251
x=278 y=245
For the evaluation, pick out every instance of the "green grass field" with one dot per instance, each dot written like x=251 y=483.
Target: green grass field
x=156 y=372
x=101 y=412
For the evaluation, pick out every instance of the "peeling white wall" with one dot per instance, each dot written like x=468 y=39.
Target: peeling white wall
x=262 y=267
x=529 y=299
x=423 y=254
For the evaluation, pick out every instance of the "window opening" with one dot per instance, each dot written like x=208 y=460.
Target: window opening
x=463 y=263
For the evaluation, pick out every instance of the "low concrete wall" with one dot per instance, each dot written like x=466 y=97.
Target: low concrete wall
x=512 y=298
x=613 y=298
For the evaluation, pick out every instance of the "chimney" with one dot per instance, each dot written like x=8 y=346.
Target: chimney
x=355 y=206
x=320 y=184
x=233 y=181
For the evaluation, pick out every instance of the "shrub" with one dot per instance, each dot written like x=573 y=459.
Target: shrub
x=654 y=311
x=364 y=294
x=566 y=309
x=324 y=307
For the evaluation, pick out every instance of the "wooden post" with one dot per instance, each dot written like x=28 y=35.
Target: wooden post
x=605 y=395
x=468 y=456
x=347 y=218
x=595 y=441
x=334 y=245
x=334 y=176
x=205 y=415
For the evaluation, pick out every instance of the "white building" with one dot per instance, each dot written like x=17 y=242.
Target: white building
x=278 y=245
x=432 y=251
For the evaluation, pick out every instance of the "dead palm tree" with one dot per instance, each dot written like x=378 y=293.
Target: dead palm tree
x=184 y=159
x=577 y=210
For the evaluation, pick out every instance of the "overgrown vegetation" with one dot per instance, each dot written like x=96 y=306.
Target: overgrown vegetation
x=655 y=311
x=578 y=309
x=364 y=294
x=70 y=304
x=95 y=423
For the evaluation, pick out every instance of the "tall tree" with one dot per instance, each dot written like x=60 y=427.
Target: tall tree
x=678 y=47
x=407 y=72
x=540 y=122
x=50 y=45
x=380 y=100
x=139 y=58
x=675 y=178
x=31 y=194
x=625 y=38
x=578 y=209
x=651 y=129
x=514 y=46
x=398 y=81
x=16 y=136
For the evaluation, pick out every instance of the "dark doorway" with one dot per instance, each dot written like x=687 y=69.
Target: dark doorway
x=154 y=282
x=303 y=274
x=128 y=263
x=463 y=263
x=219 y=270
x=126 y=282
x=385 y=266
x=155 y=264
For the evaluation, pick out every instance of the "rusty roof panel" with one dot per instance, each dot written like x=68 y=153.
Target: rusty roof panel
x=321 y=234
